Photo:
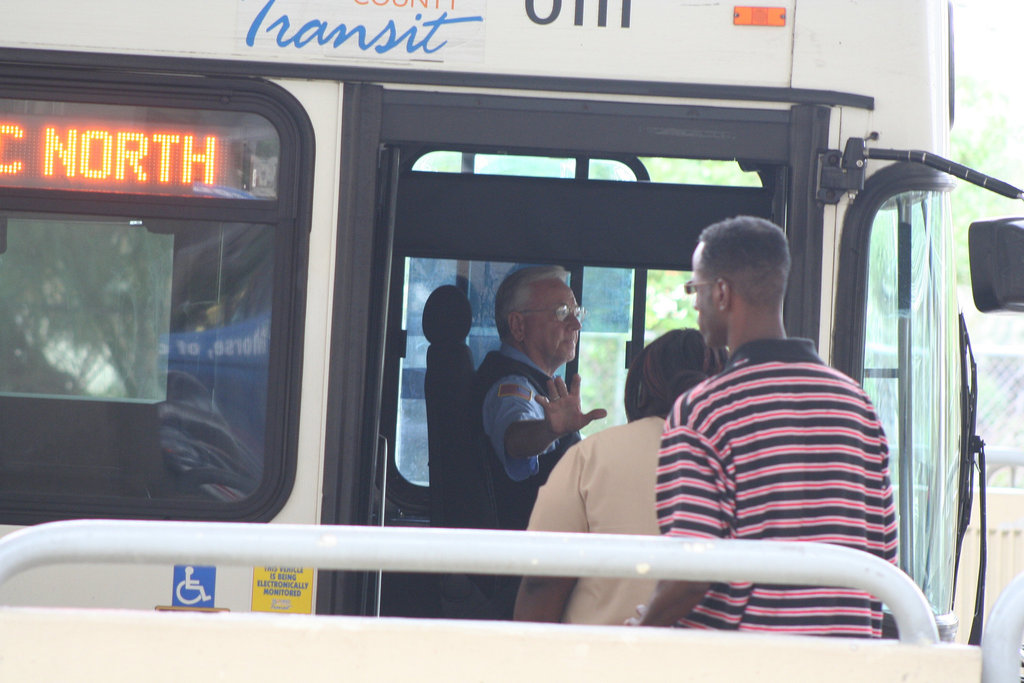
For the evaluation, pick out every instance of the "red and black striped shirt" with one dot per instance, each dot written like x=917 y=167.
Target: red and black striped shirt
x=779 y=446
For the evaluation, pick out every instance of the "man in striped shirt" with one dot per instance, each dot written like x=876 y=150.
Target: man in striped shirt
x=778 y=446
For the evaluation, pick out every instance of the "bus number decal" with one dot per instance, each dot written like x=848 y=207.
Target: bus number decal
x=580 y=5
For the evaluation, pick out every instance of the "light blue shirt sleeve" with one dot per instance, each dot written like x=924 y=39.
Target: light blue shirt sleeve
x=516 y=402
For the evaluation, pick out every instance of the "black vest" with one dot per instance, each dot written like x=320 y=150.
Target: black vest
x=514 y=499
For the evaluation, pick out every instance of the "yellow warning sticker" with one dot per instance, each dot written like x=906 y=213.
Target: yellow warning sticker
x=282 y=589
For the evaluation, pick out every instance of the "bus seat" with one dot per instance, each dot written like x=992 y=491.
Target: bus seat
x=460 y=491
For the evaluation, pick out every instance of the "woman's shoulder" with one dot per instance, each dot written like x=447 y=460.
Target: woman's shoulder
x=623 y=439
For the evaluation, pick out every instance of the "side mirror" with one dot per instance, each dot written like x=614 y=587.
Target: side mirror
x=996 y=250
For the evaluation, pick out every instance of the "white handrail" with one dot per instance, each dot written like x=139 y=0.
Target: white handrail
x=1001 y=644
x=1002 y=456
x=472 y=551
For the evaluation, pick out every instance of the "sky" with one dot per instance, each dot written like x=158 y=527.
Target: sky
x=988 y=47
x=987 y=40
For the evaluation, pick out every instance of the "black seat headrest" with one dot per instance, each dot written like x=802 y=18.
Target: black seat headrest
x=447 y=315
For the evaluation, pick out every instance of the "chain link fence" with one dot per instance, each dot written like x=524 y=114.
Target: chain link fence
x=1001 y=412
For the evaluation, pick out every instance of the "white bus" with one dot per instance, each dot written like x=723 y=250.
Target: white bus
x=220 y=221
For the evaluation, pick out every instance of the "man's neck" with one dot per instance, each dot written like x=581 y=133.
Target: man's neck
x=540 y=366
x=754 y=328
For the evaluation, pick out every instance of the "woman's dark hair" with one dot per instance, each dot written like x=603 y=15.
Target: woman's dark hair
x=665 y=368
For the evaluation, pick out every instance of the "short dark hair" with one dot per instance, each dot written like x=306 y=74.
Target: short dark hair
x=513 y=292
x=665 y=368
x=751 y=252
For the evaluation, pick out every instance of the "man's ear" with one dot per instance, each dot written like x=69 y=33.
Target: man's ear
x=516 y=325
x=723 y=294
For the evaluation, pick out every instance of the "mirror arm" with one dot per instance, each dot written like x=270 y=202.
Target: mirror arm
x=946 y=166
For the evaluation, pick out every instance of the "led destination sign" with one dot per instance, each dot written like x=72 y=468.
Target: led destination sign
x=106 y=155
x=67 y=146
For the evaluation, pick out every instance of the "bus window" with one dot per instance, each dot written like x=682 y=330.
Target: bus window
x=654 y=169
x=149 y=260
x=496 y=164
x=521 y=165
x=603 y=342
x=531 y=166
x=911 y=355
x=99 y=325
x=669 y=307
x=83 y=301
x=610 y=169
x=609 y=330
x=699 y=172
x=479 y=280
x=422 y=276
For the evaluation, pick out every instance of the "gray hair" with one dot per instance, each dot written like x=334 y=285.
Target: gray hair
x=514 y=292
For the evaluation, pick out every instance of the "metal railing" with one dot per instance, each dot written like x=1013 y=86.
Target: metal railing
x=999 y=459
x=462 y=550
x=1003 y=456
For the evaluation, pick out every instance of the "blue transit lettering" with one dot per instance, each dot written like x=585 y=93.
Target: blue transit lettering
x=384 y=41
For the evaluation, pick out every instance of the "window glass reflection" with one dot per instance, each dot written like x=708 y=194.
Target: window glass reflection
x=911 y=365
x=135 y=358
x=85 y=306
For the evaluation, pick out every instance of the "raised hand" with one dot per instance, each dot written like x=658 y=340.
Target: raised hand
x=563 y=411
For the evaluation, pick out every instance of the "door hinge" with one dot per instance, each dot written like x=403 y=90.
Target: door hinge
x=840 y=171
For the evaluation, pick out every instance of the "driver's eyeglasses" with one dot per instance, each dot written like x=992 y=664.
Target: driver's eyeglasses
x=691 y=287
x=562 y=312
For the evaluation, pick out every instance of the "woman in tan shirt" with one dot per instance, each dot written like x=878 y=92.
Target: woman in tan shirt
x=605 y=484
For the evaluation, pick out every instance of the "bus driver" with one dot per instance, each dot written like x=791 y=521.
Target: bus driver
x=529 y=416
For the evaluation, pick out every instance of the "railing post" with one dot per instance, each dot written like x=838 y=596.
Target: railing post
x=1000 y=646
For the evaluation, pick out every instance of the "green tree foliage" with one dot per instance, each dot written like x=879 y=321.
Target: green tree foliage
x=983 y=139
x=84 y=305
x=668 y=306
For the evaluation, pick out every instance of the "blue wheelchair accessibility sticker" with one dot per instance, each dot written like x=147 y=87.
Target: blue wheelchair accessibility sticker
x=193 y=586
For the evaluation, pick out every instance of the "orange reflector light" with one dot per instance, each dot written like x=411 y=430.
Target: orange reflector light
x=759 y=16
